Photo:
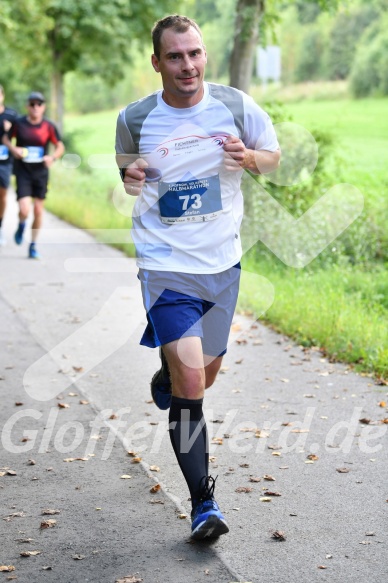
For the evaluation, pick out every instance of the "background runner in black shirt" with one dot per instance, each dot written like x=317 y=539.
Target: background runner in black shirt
x=33 y=135
x=7 y=117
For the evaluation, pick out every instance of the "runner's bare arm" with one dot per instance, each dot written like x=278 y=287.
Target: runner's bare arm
x=237 y=156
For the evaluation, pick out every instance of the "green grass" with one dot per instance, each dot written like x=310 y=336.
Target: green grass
x=343 y=310
x=361 y=127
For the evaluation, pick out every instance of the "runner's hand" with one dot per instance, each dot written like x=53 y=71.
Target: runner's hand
x=48 y=161
x=234 y=150
x=17 y=152
x=135 y=177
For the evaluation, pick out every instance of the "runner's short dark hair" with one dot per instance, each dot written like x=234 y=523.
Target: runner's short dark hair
x=177 y=22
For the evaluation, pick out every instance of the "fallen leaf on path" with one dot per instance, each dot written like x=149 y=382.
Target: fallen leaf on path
x=248 y=429
x=11 y=473
x=48 y=523
x=136 y=460
x=313 y=457
x=76 y=459
x=78 y=368
x=239 y=361
x=63 y=405
x=15 y=515
x=365 y=420
x=84 y=402
x=132 y=453
x=47 y=568
x=285 y=380
x=322 y=567
x=6 y=568
x=155 y=488
x=125 y=477
x=261 y=434
x=269 y=478
x=267 y=493
x=278 y=535
x=300 y=430
x=243 y=489
x=129 y=579
x=276 y=453
x=155 y=468
x=217 y=440
x=79 y=557
x=343 y=470
x=244 y=465
x=18 y=404
x=265 y=499
x=30 y=553
x=31 y=462
x=253 y=479
x=50 y=511
x=182 y=516
x=113 y=416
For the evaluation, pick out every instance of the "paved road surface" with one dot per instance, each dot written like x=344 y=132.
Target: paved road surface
x=70 y=326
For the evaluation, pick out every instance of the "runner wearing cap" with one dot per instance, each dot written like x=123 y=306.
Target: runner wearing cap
x=7 y=116
x=33 y=134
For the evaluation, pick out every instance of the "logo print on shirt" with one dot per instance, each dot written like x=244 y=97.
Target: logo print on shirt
x=163 y=152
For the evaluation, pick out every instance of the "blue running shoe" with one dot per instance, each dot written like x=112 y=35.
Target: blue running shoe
x=19 y=233
x=32 y=252
x=207 y=519
x=161 y=385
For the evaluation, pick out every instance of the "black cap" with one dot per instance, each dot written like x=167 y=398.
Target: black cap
x=36 y=95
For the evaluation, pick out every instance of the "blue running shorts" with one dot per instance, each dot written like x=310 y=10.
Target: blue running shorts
x=5 y=175
x=187 y=304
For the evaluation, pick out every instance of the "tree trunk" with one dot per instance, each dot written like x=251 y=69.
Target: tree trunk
x=57 y=98
x=248 y=16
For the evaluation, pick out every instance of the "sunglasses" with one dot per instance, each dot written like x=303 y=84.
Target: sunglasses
x=35 y=103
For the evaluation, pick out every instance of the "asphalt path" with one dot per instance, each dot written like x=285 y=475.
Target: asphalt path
x=287 y=443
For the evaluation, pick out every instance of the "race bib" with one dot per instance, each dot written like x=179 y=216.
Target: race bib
x=190 y=201
x=33 y=154
x=4 y=153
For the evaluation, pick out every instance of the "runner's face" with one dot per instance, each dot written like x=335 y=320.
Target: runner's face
x=36 y=110
x=182 y=66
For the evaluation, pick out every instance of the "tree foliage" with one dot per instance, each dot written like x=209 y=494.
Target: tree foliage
x=369 y=74
x=249 y=15
x=67 y=35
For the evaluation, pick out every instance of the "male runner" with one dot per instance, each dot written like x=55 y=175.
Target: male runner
x=33 y=135
x=182 y=152
x=7 y=116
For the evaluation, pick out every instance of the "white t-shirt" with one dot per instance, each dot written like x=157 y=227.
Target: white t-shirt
x=189 y=219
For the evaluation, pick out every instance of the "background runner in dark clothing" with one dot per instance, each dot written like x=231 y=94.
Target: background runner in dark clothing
x=7 y=117
x=33 y=135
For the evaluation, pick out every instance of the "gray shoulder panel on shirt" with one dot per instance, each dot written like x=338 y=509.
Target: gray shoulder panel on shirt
x=136 y=113
x=233 y=100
